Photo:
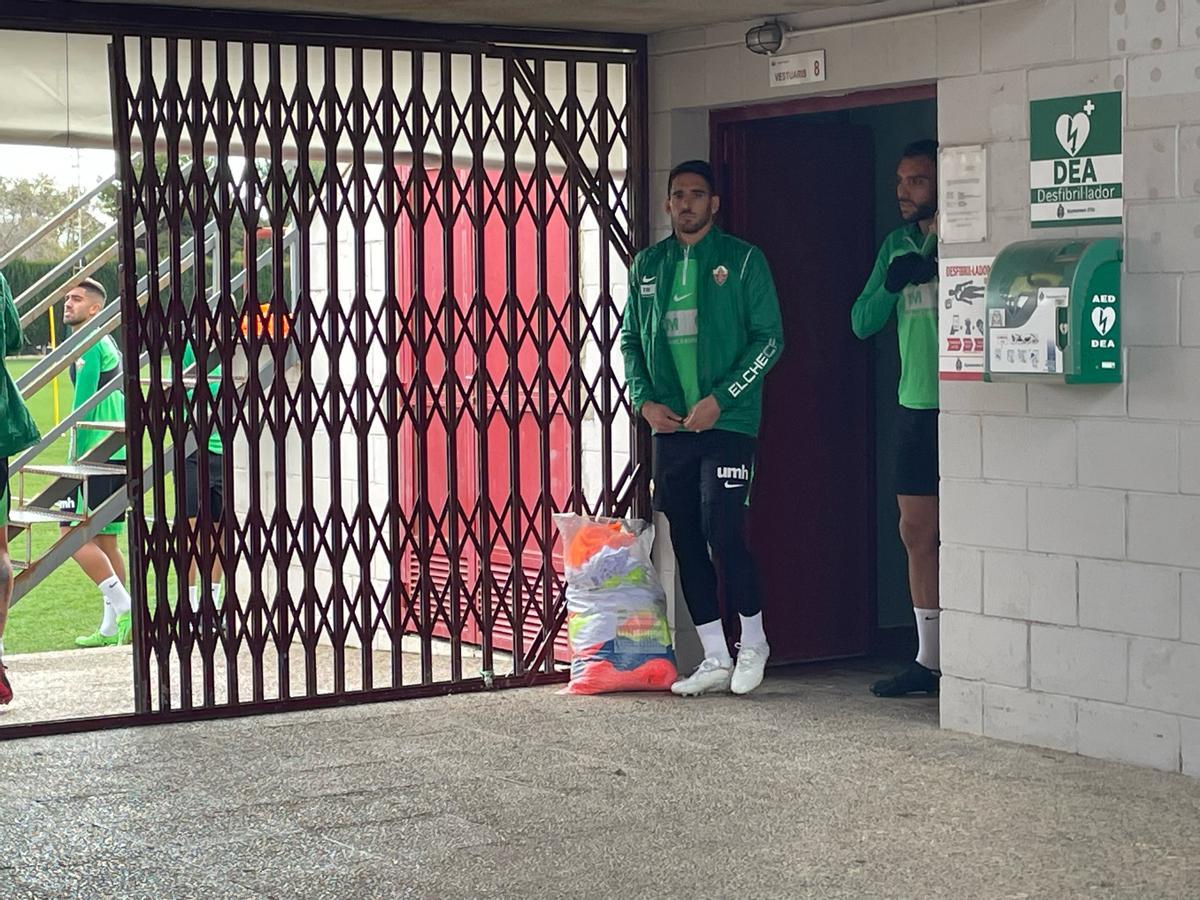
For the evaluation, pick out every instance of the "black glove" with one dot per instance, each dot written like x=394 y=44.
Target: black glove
x=925 y=269
x=911 y=268
x=900 y=272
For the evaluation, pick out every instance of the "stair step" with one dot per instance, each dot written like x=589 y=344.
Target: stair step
x=77 y=471
x=188 y=381
x=103 y=426
x=31 y=515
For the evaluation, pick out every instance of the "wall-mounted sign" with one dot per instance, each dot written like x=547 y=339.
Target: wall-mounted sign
x=962 y=289
x=962 y=185
x=797 y=68
x=1076 y=166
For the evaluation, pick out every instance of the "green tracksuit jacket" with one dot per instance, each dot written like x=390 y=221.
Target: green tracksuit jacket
x=740 y=332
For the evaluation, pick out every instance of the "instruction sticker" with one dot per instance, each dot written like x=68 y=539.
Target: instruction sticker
x=962 y=284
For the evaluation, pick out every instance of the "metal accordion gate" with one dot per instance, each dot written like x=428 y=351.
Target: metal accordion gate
x=378 y=352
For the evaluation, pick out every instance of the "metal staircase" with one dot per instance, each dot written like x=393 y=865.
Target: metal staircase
x=35 y=301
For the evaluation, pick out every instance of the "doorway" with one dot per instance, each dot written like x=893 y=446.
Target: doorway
x=811 y=182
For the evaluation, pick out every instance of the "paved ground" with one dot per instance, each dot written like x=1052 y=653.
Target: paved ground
x=809 y=788
x=73 y=684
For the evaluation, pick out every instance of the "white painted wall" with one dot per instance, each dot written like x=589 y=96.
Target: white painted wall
x=1070 y=515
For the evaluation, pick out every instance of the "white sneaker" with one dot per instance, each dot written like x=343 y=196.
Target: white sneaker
x=748 y=673
x=710 y=677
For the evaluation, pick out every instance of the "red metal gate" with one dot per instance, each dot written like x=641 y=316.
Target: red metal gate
x=415 y=373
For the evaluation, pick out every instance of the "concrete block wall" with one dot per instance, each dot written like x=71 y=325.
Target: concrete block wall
x=1070 y=515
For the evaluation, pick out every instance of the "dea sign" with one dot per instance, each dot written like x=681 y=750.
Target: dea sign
x=1076 y=166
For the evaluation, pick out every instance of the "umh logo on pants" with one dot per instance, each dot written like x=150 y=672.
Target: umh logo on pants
x=739 y=474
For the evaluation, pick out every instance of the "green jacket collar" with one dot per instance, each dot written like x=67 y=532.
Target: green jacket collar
x=700 y=248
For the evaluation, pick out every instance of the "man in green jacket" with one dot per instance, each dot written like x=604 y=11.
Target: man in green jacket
x=904 y=283
x=701 y=330
x=101 y=557
x=17 y=432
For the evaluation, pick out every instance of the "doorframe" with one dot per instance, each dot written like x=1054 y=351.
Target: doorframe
x=727 y=147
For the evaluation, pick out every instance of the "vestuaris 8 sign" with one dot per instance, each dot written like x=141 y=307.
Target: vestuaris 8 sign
x=1076 y=166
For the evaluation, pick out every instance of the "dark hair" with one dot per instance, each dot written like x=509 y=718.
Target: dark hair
x=92 y=286
x=694 y=167
x=926 y=148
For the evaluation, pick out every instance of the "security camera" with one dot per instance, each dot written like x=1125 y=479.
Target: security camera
x=765 y=39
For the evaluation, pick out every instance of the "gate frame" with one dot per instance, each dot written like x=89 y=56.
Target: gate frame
x=125 y=20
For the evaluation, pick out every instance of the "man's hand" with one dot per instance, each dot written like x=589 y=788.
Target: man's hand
x=900 y=272
x=926 y=270
x=704 y=415
x=661 y=418
x=911 y=268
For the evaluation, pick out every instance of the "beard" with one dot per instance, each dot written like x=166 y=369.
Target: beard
x=698 y=223
x=920 y=213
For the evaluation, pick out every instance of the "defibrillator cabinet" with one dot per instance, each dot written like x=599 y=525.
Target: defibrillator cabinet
x=1054 y=312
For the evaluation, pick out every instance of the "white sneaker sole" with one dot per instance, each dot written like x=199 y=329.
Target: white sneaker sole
x=699 y=692
x=741 y=690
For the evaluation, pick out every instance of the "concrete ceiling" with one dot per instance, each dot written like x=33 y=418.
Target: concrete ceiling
x=646 y=16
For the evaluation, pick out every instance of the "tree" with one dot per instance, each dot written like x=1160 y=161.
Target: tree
x=28 y=203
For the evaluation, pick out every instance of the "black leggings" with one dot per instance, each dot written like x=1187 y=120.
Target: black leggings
x=702 y=485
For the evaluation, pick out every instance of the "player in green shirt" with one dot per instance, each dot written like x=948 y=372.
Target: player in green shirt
x=904 y=283
x=210 y=452
x=100 y=557
x=17 y=432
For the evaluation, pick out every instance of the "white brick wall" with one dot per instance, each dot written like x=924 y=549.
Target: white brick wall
x=1141 y=600
x=1070 y=514
x=1077 y=521
x=985 y=648
x=1190 y=614
x=1190 y=745
x=1165 y=675
x=960 y=446
x=1132 y=456
x=961 y=579
x=1046 y=720
x=1030 y=586
x=1042 y=451
x=1078 y=662
x=962 y=705
x=1129 y=735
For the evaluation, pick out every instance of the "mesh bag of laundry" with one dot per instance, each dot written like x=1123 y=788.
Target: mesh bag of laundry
x=616 y=608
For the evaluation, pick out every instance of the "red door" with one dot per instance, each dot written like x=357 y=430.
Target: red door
x=805 y=195
x=517 y=592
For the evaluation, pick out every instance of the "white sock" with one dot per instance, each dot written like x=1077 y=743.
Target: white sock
x=216 y=595
x=712 y=636
x=928 y=647
x=194 y=599
x=114 y=592
x=752 y=630
x=108 y=624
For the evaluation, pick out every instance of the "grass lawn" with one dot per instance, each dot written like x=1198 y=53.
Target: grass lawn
x=67 y=603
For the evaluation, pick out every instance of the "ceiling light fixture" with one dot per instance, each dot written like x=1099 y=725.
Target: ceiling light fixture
x=766 y=39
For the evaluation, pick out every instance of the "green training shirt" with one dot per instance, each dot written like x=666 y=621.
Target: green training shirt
x=916 y=317
x=99 y=365
x=683 y=331
x=215 y=444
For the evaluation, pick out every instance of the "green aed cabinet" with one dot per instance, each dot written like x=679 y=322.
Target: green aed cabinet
x=1054 y=312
